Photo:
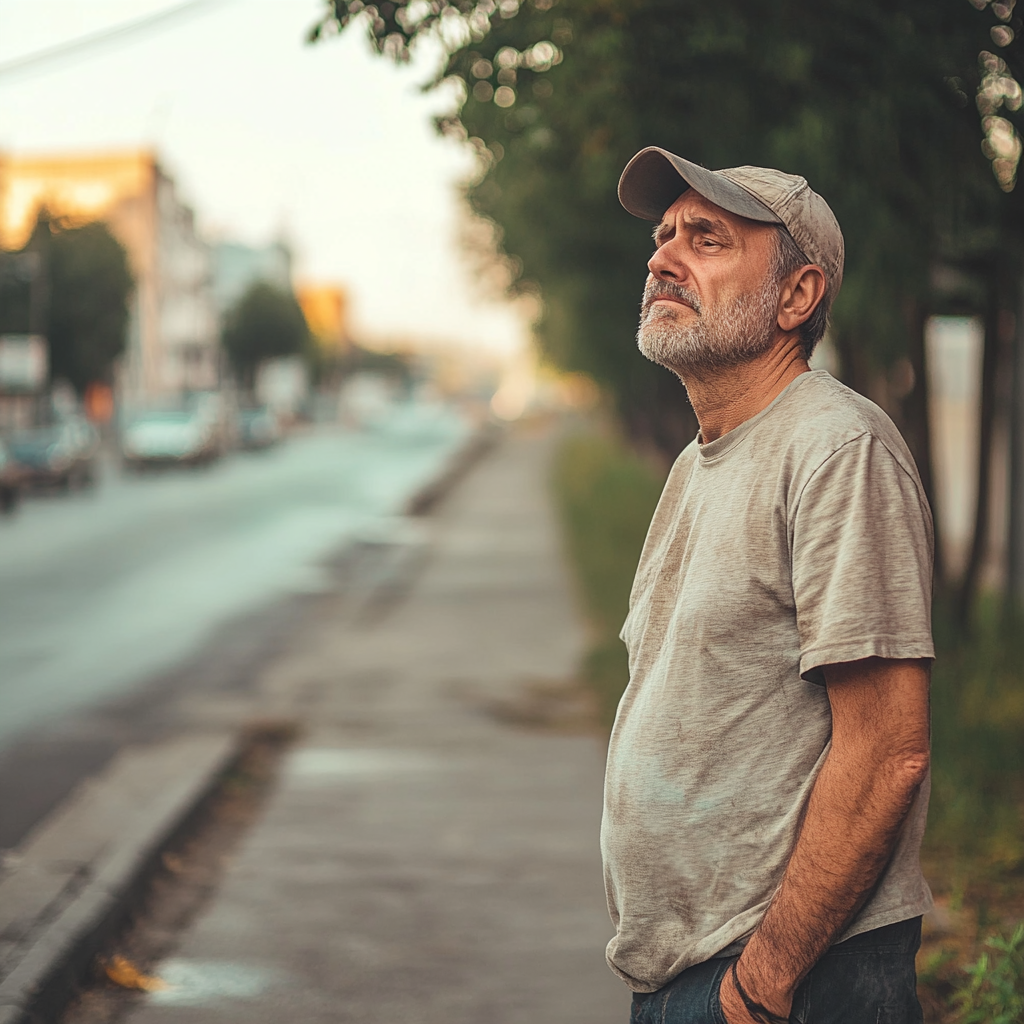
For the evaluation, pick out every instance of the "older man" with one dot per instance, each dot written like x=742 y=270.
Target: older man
x=767 y=776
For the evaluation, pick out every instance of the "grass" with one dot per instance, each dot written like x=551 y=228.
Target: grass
x=606 y=495
x=978 y=750
x=974 y=849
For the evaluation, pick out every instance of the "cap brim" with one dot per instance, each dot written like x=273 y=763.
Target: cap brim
x=654 y=179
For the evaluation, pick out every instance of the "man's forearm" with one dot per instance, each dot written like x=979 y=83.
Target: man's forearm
x=830 y=875
x=858 y=805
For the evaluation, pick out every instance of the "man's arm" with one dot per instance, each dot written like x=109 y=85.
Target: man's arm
x=878 y=760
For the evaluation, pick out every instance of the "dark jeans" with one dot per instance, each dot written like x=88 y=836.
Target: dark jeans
x=868 y=979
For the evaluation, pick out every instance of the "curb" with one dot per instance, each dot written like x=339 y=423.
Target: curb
x=72 y=883
x=477 y=445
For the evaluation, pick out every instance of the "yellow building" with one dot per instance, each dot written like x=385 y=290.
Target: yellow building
x=326 y=310
x=173 y=338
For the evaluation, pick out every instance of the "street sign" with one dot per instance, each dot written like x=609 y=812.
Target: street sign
x=24 y=362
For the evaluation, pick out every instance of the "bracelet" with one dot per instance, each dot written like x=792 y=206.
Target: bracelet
x=760 y=1013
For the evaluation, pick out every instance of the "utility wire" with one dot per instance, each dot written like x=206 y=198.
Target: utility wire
x=97 y=40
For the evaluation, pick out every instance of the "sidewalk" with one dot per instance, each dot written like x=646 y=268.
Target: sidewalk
x=423 y=859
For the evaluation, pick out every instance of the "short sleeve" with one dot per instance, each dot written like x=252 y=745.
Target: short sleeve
x=862 y=550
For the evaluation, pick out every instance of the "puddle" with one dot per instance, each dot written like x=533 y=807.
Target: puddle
x=200 y=982
x=335 y=763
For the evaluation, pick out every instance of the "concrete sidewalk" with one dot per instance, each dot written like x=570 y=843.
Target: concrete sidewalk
x=424 y=859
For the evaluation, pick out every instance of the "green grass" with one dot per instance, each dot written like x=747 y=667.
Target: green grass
x=993 y=991
x=606 y=495
x=975 y=822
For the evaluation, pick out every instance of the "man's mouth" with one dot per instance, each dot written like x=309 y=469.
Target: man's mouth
x=668 y=300
x=677 y=295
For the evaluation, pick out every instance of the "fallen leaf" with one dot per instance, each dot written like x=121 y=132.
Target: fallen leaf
x=124 y=973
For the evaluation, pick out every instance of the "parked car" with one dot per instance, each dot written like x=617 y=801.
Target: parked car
x=11 y=481
x=257 y=428
x=62 y=454
x=170 y=437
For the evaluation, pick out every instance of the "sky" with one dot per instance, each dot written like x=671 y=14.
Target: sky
x=328 y=146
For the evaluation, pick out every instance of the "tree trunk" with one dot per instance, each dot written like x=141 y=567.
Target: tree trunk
x=1014 y=597
x=854 y=369
x=991 y=352
x=917 y=425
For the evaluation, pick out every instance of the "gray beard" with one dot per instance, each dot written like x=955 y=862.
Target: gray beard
x=717 y=337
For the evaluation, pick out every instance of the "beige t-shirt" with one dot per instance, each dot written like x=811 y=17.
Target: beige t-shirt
x=800 y=539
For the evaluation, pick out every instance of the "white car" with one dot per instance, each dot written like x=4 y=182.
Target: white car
x=169 y=437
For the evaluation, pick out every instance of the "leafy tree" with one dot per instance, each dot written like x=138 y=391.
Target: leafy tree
x=84 y=311
x=90 y=289
x=265 y=323
x=875 y=103
x=16 y=281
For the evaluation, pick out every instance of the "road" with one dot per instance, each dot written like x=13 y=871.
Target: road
x=102 y=592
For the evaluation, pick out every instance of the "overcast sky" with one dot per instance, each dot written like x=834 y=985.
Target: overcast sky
x=264 y=134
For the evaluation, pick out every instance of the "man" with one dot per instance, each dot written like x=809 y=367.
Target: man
x=767 y=776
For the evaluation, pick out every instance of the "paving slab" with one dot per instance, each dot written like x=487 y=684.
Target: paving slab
x=423 y=859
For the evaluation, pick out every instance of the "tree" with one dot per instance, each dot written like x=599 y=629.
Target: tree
x=265 y=323
x=90 y=289
x=873 y=102
x=85 y=293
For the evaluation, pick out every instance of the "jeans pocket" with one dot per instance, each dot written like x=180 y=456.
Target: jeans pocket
x=638 y=1008
x=715 y=1014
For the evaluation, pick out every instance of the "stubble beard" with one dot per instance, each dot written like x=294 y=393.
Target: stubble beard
x=710 y=337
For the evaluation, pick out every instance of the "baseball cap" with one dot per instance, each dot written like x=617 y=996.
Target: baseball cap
x=654 y=179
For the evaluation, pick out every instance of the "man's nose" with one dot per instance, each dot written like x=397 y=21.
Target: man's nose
x=666 y=265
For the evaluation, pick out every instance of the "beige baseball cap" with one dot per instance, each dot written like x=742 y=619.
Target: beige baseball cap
x=654 y=179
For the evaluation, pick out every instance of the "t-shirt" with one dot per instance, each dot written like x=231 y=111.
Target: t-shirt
x=800 y=539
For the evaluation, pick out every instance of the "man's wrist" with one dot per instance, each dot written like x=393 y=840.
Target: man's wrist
x=760 y=1009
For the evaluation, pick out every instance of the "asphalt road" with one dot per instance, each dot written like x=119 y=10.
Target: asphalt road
x=107 y=596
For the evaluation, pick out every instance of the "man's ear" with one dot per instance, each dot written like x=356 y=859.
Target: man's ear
x=801 y=293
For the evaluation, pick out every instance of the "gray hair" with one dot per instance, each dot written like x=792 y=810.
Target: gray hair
x=788 y=258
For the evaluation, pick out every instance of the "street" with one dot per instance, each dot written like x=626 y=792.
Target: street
x=104 y=591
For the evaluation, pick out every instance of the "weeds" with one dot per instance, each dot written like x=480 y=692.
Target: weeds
x=994 y=991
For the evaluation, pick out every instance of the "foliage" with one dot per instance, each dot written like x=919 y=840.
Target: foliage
x=91 y=285
x=978 y=748
x=87 y=287
x=871 y=102
x=265 y=323
x=994 y=991
x=15 y=278
x=606 y=496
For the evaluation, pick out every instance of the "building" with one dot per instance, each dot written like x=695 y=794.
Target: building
x=325 y=307
x=173 y=341
x=236 y=267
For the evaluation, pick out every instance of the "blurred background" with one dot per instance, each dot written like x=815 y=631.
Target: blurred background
x=266 y=264
x=224 y=345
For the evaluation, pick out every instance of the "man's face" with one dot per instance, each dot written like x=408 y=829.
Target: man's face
x=712 y=294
